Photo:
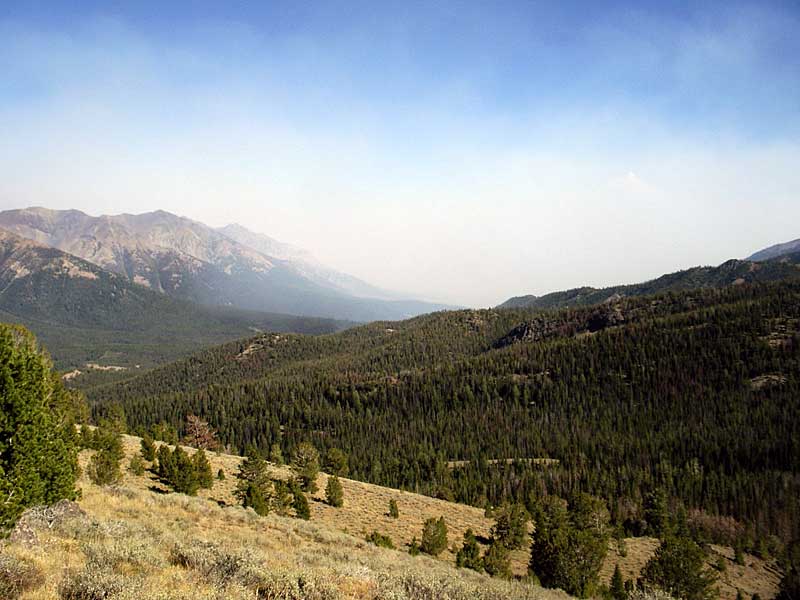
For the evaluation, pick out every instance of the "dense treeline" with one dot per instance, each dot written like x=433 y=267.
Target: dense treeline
x=695 y=393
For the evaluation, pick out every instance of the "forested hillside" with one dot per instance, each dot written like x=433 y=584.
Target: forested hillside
x=694 y=393
x=731 y=272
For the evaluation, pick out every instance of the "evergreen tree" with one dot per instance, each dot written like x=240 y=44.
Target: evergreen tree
x=282 y=497
x=656 y=512
x=305 y=462
x=148 y=448
x=184 y=479
x=300 y=502
x=38 y=439
x=394 y=512
x=469 y=556
x=336 y=462
x=253 y=472
x=434 y=536
x=618 y=591
x=570 y=543
x=678 y=568
x=136 y=465
x=202 y=468
x=496 y=560
x=166 y=463
x=252 y=496
x=221 y=474
x=511 y=525
x=104 y=468
x=334 y=494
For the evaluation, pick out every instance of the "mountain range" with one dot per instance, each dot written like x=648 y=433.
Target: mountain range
x=87 y=314
x=232 y=266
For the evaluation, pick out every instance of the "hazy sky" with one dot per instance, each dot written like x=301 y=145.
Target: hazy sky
x=459 y=151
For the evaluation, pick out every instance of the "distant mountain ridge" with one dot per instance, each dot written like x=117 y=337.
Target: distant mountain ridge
x=186 y=259
x=731 y=272
x=776 y=251
x=85 y=313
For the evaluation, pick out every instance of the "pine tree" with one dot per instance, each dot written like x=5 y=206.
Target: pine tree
x=305 y=462
x=394 y=512
x=617 y=590
x=496 y=560
x=469 y=556
x=104 y=468
x=148 y=448
x=166 y=463
x=570 y=543
x=221 y=474
x=334 y=494
x=678 y=567
x=38 y=439
x=136 y=465
x=511 y=525
x=253 y=497
x=202 y=468
x=300 y=502
x=336 y=462
x=253 y=472
x=184 y=480
x=434 y=536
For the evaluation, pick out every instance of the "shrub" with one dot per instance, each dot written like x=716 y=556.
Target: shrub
x=136 y=465
x=678 y=568
x=434 y=536
x=334 y=495
x=275 y=454
x=496 y=560
x=384 y=541
x=221 y=475
x=394 y=512
x=413 y=547
x=469 y=556
x=305 y=462
x=17 y=577
x=91 y=583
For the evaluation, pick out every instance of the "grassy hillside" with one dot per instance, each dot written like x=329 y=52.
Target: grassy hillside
x=695 y=393
x=143 y=542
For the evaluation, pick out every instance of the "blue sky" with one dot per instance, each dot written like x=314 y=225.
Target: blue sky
x=463 y=151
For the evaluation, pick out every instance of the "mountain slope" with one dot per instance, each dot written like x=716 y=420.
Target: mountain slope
x=191 y=261
x=732 y=272
x=695 y=391
x=306 y=264
x=776 y=251
x=83 y=313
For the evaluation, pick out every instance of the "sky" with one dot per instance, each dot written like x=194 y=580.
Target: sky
x=458 y=151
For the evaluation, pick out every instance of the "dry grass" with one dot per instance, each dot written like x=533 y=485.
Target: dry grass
x=138 y=541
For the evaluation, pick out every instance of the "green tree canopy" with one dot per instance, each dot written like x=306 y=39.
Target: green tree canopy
x=38 y=439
